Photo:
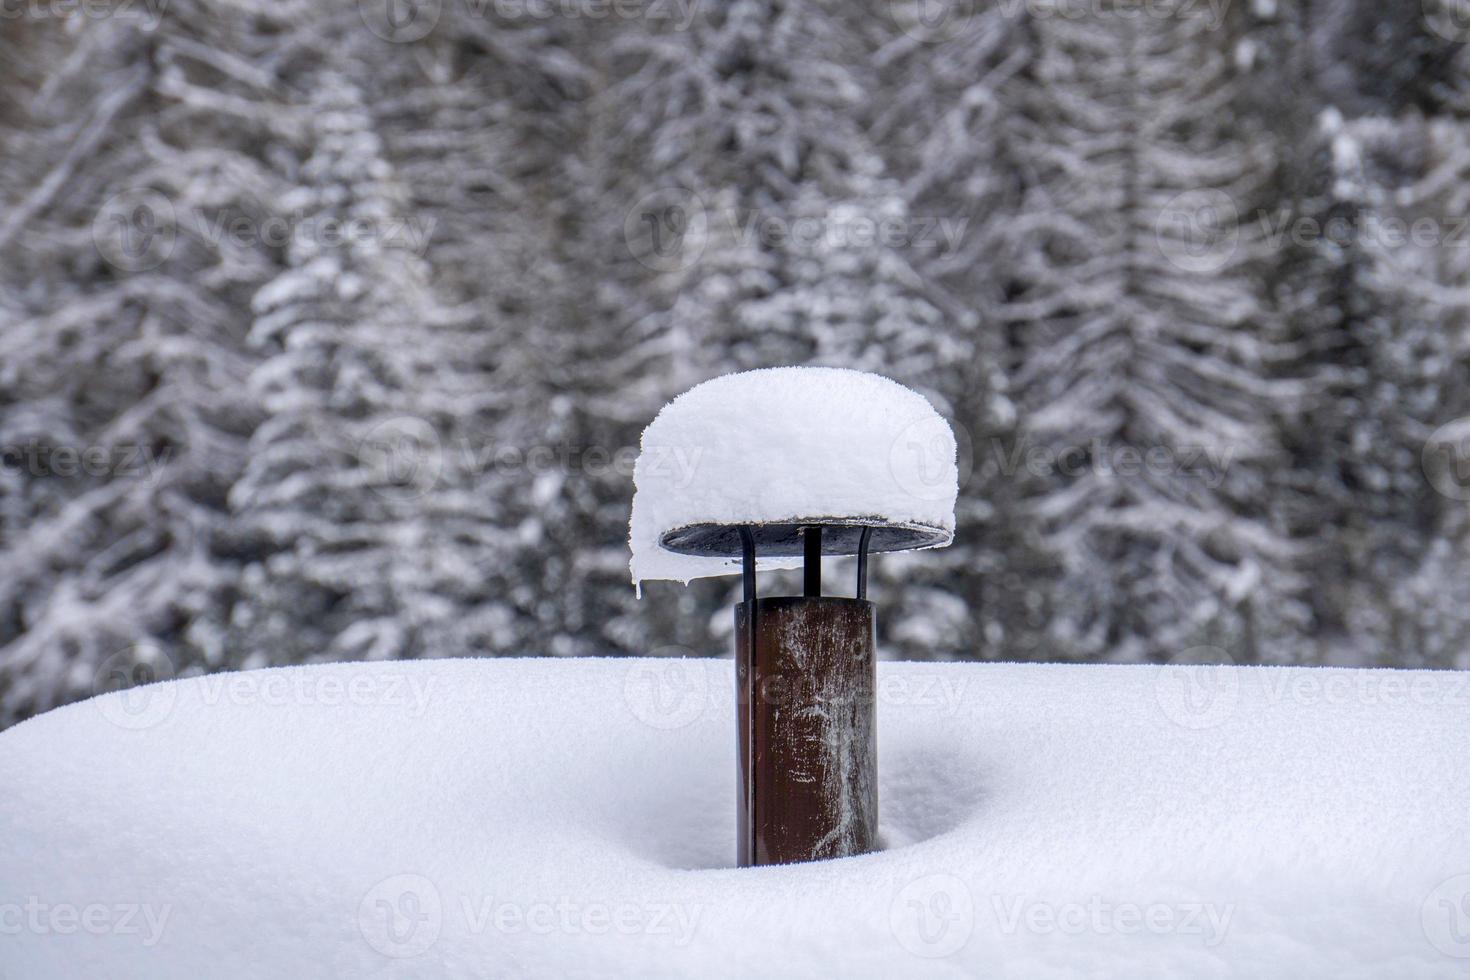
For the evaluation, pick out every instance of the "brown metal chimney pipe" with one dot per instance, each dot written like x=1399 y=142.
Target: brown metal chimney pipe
x=807 y=725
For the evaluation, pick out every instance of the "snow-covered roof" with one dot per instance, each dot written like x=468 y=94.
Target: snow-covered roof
x=789 y=446
x=459 y=819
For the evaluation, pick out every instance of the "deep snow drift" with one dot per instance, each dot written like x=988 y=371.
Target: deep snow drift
x=549 y=818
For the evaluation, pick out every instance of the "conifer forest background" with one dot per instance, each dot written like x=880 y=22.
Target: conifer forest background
x=328 y=329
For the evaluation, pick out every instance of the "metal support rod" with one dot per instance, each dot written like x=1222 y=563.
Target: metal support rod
x=747 y=563
x=811 y=562
x=862 y=569
x=746 y=679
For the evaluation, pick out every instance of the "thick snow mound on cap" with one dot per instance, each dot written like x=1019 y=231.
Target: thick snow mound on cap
x=781 y=444
x=553 y=818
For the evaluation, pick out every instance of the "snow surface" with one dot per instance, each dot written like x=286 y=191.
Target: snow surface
x=781 y=444
x=550 y=818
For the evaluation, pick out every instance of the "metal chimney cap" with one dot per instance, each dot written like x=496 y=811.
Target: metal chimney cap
x=784 y=540
x=777 y=449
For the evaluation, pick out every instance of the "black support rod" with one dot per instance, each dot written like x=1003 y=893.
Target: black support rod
x=862 y=571
x=747 y=563
x=747 y=576
x=811 y=561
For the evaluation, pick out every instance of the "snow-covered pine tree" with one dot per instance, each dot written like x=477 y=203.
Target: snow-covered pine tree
x=748 y=128
x=609 y=356
x=1146 y=375
x=1406 y=176
x=483 y=127
x=368 y=531
x=948 y=126
x=121 y=359
x=1366 y=313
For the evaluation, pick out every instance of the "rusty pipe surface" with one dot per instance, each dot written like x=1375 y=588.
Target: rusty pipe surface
x=807 y=730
